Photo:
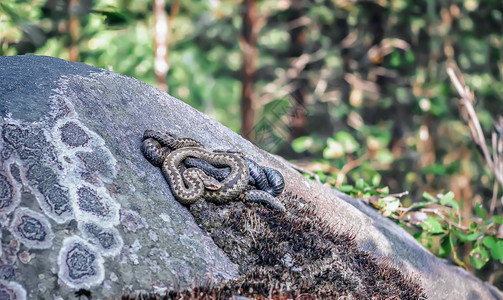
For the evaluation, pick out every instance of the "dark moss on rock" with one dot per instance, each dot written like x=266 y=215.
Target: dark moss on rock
x=291 y=254
x=295 y=253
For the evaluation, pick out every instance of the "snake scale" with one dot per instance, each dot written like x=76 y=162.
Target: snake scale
x=194 y=172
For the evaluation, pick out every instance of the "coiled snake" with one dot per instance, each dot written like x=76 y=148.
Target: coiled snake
x=265 y=179
x=192 y=172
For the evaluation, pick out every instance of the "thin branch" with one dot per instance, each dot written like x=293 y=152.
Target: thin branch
x=466 y=102
x=376 y=198
x=301 y=169
x=450 y=222
x=348 y=167
x=466 y=106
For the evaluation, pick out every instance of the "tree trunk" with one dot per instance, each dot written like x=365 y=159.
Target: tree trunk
x=298 y=40
x=161 y=65
x=250 y=53
x=74 y=30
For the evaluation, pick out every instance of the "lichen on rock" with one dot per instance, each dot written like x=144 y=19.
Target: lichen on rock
x=94 y=205
x=9 y=192
x=32 y=229
x=107 y=240
x=80 y=264
x=11 y=290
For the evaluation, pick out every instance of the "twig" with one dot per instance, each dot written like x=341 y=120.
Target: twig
x=466 y=107
x=348 y=167
x=495 y=161
x=493 y=199
x=450 y=222
x=376 y=198
x=303 y=170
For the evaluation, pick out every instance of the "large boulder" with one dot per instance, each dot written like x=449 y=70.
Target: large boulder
x=80 y=207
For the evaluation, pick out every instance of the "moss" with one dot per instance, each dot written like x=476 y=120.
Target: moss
x=294 y=253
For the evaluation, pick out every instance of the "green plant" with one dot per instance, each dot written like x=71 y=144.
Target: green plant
x=437 y=222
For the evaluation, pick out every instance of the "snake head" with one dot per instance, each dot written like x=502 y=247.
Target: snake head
x=211 y=183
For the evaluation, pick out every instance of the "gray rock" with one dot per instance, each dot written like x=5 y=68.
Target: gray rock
x=81 y=208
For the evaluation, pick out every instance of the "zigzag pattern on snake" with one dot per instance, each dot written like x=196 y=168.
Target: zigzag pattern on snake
x=264 y=178
x=172 y=154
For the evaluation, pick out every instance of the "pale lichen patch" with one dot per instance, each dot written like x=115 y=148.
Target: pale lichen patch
x=80 y=264
x=107 y=240
x=32 y=229
x=11 y=290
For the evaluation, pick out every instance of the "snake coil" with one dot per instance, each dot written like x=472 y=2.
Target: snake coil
x=194 y=172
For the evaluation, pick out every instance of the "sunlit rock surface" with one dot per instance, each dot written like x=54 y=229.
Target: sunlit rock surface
x=81 y=208
x=79 y=205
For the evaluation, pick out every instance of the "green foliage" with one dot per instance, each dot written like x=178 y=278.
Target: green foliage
x=448 y=200
x=439 y=227
x=204 y=54
x=436 y=222
x=432 y=226
x=479 y=257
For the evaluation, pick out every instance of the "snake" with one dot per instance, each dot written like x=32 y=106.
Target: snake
x=264 y=178
x=170 y=153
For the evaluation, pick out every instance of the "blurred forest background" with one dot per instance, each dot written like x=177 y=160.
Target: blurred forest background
x=356 y=92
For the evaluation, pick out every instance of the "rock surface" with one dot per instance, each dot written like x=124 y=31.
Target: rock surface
x=81 y=208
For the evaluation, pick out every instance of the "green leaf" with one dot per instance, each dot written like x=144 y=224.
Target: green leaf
x=385 y=156
x=498 y=219
x=445 y=247
x=497 y=250
x=395 y=60
x=360 y=184
x=472 y=236
x=321 y=175
x=435 y=169
x=480 y=211
x=429 y=197
x=424 y=239
x=302 y=144
x=409 y=57
x=334 y=149
x=488 y=222
x=389 y=205
x=489 y=241
x=449 y=199
x=345 y=188
x=114 y=18
x=383 y=190
x=440 y=169
x=348 y=142
x=432 y=225
x=376 y=180
x=479 y=257
x=473 y=226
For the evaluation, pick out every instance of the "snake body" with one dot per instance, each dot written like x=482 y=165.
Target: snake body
x=215 y=176
x=232 y=186
x=264 y=178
